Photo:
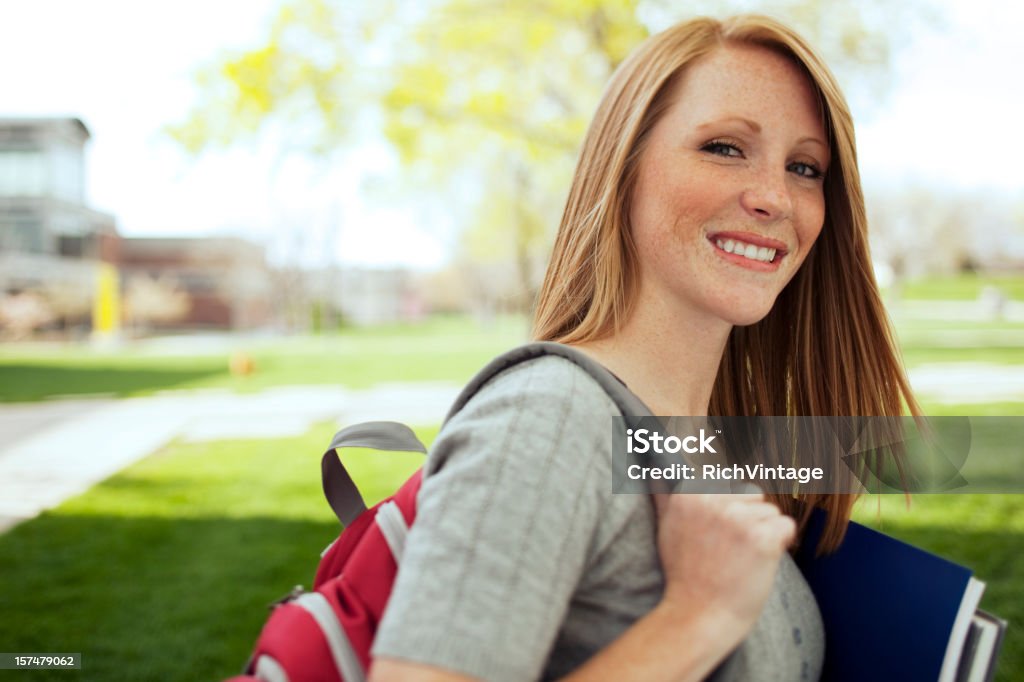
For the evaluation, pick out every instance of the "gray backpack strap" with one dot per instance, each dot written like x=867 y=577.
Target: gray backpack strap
x=635 y=413
x=631 y=407
x=339 y=489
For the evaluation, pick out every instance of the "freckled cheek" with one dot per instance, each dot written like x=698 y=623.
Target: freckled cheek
x=689 y=210
x=673 y=243
x=672 y=210
x=811 y=224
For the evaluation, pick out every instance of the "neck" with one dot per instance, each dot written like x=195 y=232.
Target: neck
x=669 y=358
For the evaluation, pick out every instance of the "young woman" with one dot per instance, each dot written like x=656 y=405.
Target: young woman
x=713 y=255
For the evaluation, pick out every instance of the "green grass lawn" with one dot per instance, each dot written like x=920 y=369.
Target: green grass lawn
x=964 y=287
x=164 y=570
x=438 y=350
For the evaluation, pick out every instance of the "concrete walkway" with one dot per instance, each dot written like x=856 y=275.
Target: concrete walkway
x=965 y=383
x=51 y=451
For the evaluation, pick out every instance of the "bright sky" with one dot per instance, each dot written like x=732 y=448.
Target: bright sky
x=125 y=67
x=955 y=112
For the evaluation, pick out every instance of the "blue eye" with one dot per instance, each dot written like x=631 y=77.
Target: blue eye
x=720 y=148
x=805 y=170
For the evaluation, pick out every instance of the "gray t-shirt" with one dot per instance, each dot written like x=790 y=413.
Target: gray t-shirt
x=522 y=564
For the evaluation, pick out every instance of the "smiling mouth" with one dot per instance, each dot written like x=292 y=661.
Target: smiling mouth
x=750 y=250
x=761 y=254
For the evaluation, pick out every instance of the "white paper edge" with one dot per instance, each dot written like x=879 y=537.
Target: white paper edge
x=968 y=605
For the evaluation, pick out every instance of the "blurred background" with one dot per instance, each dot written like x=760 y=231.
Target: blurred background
x=227 y=228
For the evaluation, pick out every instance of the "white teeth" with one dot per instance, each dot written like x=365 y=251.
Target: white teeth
x=762 y=254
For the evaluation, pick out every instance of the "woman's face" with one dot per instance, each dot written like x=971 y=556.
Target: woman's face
x=730 y=198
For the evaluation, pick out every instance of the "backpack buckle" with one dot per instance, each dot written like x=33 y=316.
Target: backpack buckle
x=294 y=594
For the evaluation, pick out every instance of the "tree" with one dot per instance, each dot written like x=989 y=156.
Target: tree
x=70 y=300
x=919 y=230
x=484 y=101
x=153 y=301
x=23 y=313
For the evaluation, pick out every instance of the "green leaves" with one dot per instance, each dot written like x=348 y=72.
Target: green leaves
x=472 y=88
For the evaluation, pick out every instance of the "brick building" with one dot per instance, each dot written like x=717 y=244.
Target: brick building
x=55 y=247
x=226 y=280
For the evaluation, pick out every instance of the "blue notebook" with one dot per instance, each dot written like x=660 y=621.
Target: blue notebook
x=892 y=611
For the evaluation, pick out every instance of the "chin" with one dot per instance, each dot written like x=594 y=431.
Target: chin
x=747 y=314
x=747 y=320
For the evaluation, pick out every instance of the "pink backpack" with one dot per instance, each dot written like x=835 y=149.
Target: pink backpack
x=325 y=635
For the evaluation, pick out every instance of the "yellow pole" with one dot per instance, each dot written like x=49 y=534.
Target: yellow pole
x=106 y=304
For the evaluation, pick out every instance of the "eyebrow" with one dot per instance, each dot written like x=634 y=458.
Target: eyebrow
x=756 y=127
x=815 y=140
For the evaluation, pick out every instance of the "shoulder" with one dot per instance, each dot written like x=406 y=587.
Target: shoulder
x=513 y=505
x=544 y=382
x=536 y=406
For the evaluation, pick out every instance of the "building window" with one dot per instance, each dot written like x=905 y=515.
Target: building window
x=67 y=173
x=71 y=247
x=24 y=235
x=22 y=173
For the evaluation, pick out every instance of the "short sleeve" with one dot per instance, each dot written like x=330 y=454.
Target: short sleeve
x=505 y=520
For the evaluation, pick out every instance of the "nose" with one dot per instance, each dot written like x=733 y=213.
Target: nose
x=767 y=197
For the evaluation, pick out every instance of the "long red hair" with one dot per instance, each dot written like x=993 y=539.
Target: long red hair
x=825 y=349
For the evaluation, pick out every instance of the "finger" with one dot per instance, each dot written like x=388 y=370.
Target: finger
x=757 y=511
x=783 y=530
